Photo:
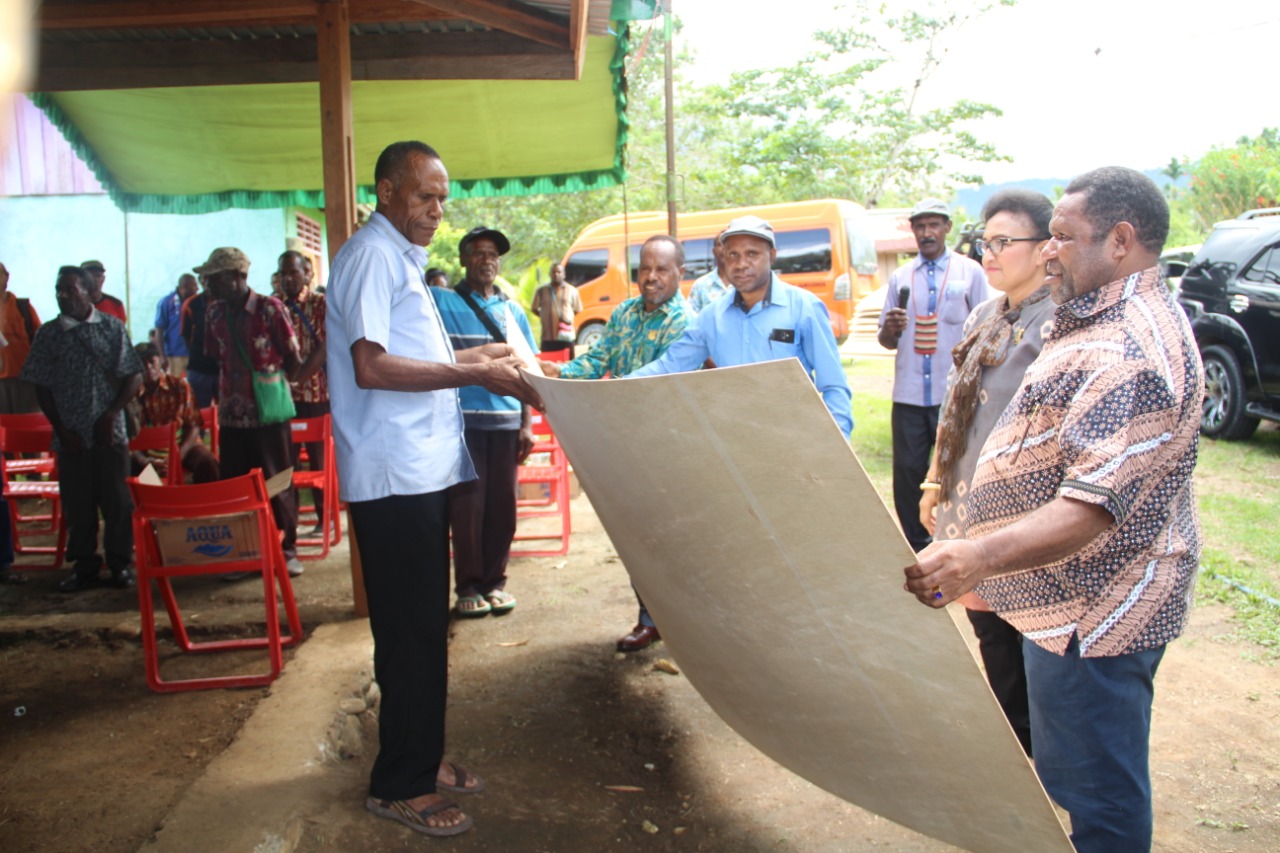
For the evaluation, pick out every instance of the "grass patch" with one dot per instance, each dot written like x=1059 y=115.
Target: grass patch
x=1239 y=502
x=872 y=437
x=1238 y=487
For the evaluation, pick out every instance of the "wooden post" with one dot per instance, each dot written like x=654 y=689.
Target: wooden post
x=337 y=141
x=337 y=137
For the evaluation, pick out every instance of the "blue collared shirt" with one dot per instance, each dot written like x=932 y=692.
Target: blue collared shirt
x=921 y=380
x=787 y=323
x=169 y=322
x=481 y=408
x=389 y=442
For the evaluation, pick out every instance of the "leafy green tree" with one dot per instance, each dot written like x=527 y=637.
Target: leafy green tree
x=821 y=127
x=1228 y=181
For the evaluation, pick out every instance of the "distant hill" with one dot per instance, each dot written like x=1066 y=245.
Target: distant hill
x=972 y=199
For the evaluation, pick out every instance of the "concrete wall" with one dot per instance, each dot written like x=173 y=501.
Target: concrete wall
x=143 y=253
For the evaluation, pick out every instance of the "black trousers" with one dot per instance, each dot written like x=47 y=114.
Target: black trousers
x=315 y=449
x=404 y=551
x=914 y=431
x=482 y=512
x=1001 y=647
x=271 y=449
x=89 y=481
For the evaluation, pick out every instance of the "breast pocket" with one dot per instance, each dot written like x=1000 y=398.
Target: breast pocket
x=954 y=307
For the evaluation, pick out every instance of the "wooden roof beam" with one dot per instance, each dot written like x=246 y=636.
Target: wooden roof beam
x=509 y=16
x=153 y=14
x=401 y=56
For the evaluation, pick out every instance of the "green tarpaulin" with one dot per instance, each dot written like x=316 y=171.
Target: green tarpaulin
x=202 y=149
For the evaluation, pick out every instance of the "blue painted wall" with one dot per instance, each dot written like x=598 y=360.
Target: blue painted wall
x=143 y=253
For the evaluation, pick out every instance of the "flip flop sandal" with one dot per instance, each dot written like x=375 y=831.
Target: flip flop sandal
x=501 y=601
x=472 y=606
x=460 y=779
x=400 y=810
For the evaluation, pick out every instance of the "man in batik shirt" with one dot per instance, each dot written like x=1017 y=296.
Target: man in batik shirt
x=166 y=399
x=1082 y=519
x=311 y=387
x=638 y=332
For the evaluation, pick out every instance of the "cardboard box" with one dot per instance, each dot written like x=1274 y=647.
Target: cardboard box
x=212 y=539
x=217 y=539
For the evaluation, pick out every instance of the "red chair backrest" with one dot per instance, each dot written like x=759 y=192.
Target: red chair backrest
x=304 y=430
x=32 y=420
x=163 y=437
x=33 y=439
x=223 y=497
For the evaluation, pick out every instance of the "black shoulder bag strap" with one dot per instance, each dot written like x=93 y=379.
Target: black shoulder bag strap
x=467 y=297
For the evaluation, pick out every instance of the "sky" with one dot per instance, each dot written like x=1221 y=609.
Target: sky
x=1082 y=84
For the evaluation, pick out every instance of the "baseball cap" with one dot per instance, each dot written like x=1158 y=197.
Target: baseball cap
x=481 y=232
x=930 y=207
x=225 y=258
x=751 y=226
x=92 y=265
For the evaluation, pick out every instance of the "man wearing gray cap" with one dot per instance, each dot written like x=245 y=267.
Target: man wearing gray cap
x=764 y=319
x=923 y=319
x=253 y=340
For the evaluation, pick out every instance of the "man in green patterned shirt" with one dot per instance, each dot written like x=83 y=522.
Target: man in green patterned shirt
x=639 y=331
x=644 y=326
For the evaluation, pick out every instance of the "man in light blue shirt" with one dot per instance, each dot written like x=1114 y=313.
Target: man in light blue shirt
x=398 y=433
x=764 y=319
x=923 y=317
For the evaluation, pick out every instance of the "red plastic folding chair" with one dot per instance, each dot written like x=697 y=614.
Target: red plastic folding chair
x=328 y=518
x=161 y=438
x=548 y=468
x=33 y=440
x=40 y=463
x=209 y=414
x=211 y=504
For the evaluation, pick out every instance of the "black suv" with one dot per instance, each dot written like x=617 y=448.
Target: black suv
x=1231 y=293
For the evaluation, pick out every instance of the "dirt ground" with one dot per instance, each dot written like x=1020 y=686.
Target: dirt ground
x=542 y=706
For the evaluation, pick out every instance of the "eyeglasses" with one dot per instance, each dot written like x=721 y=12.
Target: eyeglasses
x=999 y=244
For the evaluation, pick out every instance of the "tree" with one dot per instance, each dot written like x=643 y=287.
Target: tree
x=822 y=128
x=1228 y=181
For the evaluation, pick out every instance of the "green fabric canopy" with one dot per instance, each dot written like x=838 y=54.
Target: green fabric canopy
x=203 y=149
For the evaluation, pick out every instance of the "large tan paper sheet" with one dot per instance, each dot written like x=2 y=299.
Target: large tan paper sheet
x=774 y=571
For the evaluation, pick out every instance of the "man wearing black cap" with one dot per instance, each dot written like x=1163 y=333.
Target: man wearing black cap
x=104 y=302
x=482 y=512
x=923 y=318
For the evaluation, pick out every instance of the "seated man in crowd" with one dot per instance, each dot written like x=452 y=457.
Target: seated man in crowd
x=165 y=399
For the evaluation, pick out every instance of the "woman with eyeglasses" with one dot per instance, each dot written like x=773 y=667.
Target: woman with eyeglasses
x=1001 y=338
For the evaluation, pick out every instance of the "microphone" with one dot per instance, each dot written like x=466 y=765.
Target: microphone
x=904 y=296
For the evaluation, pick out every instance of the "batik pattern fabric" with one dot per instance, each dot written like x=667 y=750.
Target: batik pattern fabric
x=307 y=314
x=1109 y=414
x=265 y=334
x=171 y=401
x=632 y=338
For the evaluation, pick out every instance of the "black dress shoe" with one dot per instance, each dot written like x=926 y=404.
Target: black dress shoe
x=77 y=582
x=641 y=637
x=122 y=579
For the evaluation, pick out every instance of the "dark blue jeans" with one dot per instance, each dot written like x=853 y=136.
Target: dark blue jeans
x=1090 y=727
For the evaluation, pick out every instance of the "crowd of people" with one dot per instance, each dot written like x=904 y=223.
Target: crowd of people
x=1044 y=429
x=212 y=340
